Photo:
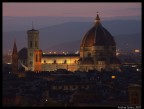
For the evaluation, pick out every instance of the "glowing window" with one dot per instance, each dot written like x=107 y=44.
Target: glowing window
x=113 y=77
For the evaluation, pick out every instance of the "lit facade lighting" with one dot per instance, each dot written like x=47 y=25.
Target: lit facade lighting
x=8 y=63
x=113 y=77
x=136 y=51
x=134 y=65
x=117 y=53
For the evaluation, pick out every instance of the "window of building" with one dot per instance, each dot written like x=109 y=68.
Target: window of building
x=54 y=61
x=44 y=61
x=89 y=54
x=36 y=58
x=31 y=54
x=31 y=62
x=135 y=100
x=30 y=43
x=36 y=44
x=101 y=62
x=65 y=61
x=39 y=58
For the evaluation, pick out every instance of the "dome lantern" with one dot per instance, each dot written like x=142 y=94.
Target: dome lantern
x=97 y=19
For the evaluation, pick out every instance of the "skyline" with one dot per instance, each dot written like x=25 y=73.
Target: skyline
x=72 y=9
x=51 y=15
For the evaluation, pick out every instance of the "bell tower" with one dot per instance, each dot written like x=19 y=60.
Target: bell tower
x=33 y=44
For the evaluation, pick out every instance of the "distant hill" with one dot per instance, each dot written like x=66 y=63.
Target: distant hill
x=69 y=32
x=20 y=23
x=124 y=42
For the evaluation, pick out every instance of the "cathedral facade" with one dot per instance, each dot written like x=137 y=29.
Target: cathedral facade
x=97 y=52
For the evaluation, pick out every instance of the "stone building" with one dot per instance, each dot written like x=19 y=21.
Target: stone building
x=97 y=52
x=98 y=49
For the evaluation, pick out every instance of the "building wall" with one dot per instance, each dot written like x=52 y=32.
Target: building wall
x=53 y=63
x=60 y=59
x=101 y=56
x=37 y=60
x=54 y=67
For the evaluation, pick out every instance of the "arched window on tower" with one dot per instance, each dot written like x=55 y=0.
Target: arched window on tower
x=31 y=62
x=31 y=54
x=30 y=43
x=36 y=44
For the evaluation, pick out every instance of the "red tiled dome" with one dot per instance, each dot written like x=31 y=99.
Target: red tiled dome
x=97 y=35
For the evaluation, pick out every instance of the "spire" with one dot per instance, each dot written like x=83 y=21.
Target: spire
x=14 y=47
x=97 y=19
x=14 y=59
x=32 y=26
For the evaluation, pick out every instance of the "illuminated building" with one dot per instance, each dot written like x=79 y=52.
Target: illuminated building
x=97 y=52
x=98 y=49
x=52 y=62
x=136 y=51
x=37 y=60
x=33 y=49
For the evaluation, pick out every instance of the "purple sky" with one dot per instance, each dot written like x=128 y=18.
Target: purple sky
x=72 y=9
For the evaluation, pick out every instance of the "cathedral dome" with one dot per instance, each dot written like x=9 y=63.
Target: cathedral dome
x=97 y=35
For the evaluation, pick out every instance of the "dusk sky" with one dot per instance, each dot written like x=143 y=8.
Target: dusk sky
x=58 y=13
x=72 y=9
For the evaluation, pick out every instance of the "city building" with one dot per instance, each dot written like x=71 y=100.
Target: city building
x=134 y=95
x=97 y=52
